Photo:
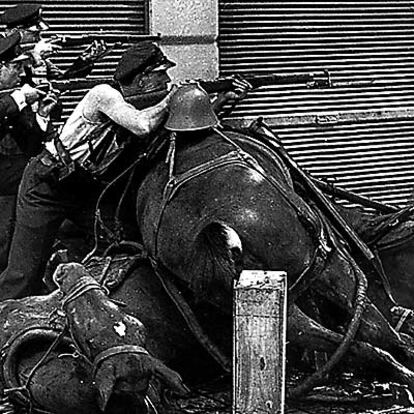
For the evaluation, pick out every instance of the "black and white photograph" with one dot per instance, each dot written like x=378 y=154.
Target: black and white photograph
x=206 y=207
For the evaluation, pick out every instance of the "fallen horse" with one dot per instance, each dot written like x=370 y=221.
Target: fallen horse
x=91 y=360
x=226 y=203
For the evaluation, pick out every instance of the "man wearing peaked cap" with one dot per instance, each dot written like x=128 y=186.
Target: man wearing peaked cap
x=24 y=15
x=142 y=58
x=10 y=50
x=58 y=184
x=22 y=132
x=142 y=74
x=26 y=19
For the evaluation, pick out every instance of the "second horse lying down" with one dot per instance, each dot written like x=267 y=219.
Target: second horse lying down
x=98 y=363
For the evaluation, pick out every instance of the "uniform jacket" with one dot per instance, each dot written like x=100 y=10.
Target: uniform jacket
x=20 y=134
x=20 y=139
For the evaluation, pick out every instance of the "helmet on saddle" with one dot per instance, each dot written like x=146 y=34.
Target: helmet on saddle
x=190 y=110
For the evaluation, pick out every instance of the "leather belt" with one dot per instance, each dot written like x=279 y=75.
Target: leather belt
x=48 y=159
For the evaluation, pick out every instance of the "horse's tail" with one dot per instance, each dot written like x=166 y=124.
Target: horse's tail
x=216 y=259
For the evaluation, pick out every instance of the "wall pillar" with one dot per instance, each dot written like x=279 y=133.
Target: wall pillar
x=189 y=30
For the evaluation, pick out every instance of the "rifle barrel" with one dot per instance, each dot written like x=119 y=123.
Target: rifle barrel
x=224 y=85
x=78 y=40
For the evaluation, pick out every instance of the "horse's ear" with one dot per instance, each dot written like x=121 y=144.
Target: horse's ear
x=105 y=381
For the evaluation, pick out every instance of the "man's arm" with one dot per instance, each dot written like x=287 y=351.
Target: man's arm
x=103 y=99
x=12 y=104
x=9 y=106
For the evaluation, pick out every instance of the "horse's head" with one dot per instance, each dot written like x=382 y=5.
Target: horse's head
x=111 y=339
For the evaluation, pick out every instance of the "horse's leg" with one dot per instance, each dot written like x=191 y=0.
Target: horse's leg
x=374 y=328
x=307 y=334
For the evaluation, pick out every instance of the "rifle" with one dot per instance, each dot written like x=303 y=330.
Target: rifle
x=84 y=39
x=79 y=40
x=214 y=86
x=257 y=81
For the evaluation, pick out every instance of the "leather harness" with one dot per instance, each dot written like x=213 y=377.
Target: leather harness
x=237 y=157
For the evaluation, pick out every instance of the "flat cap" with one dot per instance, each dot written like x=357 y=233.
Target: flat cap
x=10 y=50
x=24 y=14
x=143 y=57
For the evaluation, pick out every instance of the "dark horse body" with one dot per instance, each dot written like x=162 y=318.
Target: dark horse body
x=229 y=204
x=218 y=217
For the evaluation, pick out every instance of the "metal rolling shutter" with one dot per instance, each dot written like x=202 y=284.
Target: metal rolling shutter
x=76 y=17
x=360 y=132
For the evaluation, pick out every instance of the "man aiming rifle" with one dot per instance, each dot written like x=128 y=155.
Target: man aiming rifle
x=22 y=131
x=27 y=20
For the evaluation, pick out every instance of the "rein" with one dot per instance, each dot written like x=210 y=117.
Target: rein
x=388 y=225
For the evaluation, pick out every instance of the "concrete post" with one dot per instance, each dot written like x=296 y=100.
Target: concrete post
x=189 y=30
x=259 y=342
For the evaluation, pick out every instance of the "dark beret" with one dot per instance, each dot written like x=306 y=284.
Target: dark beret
x=10 y=50
x=23 y=14
x=142 y=57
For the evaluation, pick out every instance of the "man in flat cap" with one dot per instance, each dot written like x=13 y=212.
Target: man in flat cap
x=22 y=131
x=57 y=184
x=26 y=18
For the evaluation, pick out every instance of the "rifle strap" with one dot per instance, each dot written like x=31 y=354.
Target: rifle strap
x=64 y=156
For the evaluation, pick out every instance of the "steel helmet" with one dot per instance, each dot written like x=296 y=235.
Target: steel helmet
x=190 y=110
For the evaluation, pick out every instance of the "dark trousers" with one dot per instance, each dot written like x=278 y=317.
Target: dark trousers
x=43 y=202
x=11 y=171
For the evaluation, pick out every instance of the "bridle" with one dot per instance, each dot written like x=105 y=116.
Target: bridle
x=83 y=285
